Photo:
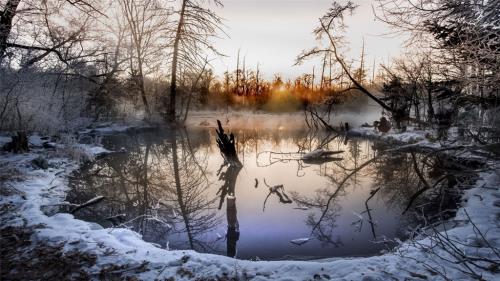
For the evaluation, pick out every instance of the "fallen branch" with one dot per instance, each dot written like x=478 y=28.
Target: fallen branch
x=372 y=193
x=91 y=202
x=279 y=190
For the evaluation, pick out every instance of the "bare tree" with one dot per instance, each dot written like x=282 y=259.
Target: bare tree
x=50 y=43
x=194 y=28
x=146 y=21
x=467 y=34
x=37 y=16
x=6 y=17
x=332 y=27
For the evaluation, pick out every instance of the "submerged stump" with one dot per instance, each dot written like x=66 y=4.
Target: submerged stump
x=227 y=147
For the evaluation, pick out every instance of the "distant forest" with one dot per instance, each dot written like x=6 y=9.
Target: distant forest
x=64 y=64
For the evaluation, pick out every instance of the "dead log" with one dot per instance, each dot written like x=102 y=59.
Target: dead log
x=18 y=144
x=320 y=153
x=91 y=202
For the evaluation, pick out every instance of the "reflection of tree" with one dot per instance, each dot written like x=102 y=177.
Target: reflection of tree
x=190 y=197
x=159 y=185
x=323 y=227
x=227 y=148
x=228 y=177
x=227 y=191
x=404 y=177
x=427 y=180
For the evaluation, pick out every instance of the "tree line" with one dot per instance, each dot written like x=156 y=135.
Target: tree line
x=64 y=63
x=61 y=60
x=450 y=71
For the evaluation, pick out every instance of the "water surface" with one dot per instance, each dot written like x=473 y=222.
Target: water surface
x=174 y=189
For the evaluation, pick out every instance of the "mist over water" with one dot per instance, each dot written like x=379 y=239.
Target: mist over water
x=356 y=112
x=167 y=187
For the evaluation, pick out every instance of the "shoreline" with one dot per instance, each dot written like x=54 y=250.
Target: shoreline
x=125 y=248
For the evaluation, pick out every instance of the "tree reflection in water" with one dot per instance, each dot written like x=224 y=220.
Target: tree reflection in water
x=158 y=188
x=166 y=187
x=227 y=192
x=227 y=147
x=406 y=179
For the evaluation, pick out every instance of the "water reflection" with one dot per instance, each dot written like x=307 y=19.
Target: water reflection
x=227 y=191
x=171 y=187
x=160 y=186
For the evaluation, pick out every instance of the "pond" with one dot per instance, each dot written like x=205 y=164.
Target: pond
x=173 y=188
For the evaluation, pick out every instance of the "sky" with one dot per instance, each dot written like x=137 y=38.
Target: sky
x=273 y=32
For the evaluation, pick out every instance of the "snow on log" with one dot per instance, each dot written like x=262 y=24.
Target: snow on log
x=319 y=153
x=91 y=202
x=300 y=241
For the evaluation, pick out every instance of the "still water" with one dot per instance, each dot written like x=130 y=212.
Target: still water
x=174 y=189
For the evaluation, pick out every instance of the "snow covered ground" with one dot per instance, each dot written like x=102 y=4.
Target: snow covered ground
x=474 y=232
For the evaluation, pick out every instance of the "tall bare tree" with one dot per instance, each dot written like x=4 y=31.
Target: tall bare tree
x=6 y=17
x=146 y=21
x=332 y=26
x=195 y=26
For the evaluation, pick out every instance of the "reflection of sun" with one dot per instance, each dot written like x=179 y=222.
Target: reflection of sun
x=281 y=88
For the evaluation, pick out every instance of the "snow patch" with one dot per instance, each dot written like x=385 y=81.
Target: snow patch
x=128 y=247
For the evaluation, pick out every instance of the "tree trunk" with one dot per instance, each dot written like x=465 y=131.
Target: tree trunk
x=18 y=144
x=193 y=88
x=430 y=110
x=143 y=90
x=6 y=17
x=347 y=72
x=171 y=117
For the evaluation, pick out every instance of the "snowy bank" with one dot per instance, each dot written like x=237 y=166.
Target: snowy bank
x=39 y=189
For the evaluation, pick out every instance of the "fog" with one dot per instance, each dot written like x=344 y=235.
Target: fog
x=355 y=112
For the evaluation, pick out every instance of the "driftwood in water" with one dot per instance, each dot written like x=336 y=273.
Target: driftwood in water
x=233 y=227
x=227 y=147
x=320 y=156
x=279 y=190
x=320 y=153
x=370 y=219
x=91 y=202
x=18 y=144
x=300 y=241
